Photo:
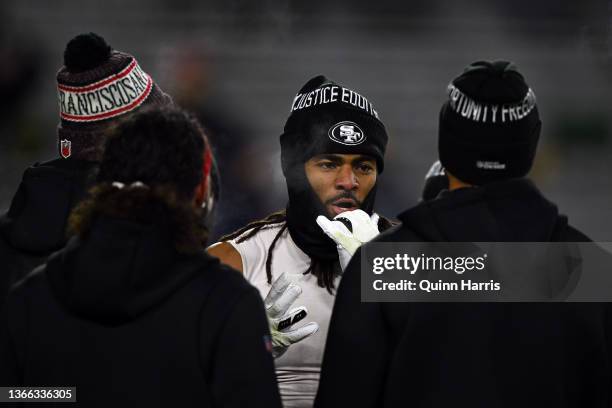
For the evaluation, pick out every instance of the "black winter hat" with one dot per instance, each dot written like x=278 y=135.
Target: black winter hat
x=490 y=126
x=329 y=118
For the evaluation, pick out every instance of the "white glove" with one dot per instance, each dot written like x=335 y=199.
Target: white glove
x=364 y=228
x=281 y=296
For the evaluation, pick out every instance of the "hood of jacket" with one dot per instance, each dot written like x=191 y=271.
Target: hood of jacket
x=508 y=211
x=121 y=270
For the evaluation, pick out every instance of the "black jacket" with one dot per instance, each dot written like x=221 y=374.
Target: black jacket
x=35 y=223
x=469 y=354
x=130 y=321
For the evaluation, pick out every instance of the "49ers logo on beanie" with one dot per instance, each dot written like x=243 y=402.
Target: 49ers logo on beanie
x=347 y=133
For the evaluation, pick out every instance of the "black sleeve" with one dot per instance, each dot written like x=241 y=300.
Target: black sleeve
x=563 y=232
x=7 y=256
x=9 y=368
x=356 y=353
x=243 y=369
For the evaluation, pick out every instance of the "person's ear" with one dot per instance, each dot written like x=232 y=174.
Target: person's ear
x=201 y=192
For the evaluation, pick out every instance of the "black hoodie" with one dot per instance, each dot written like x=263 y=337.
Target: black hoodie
x=35 y=223
x=469 y=354
x=130 y=321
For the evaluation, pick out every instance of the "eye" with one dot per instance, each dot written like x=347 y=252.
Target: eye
x=327 y=165
x=365 y=168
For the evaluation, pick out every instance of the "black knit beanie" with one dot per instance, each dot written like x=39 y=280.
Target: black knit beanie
x=329 y=118
x=489 y=126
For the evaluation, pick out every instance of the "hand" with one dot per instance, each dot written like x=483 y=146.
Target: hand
x=362 y=229
x=281 y=296
x=435 y=181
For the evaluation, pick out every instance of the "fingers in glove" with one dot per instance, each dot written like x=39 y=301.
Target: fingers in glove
x=332 y=229
x=323 y=222
x=364 y=229
x=284 y=302
x=276 y=290
x=299 y=334
x=292 y=317
x=354 y=216
x=375 y=217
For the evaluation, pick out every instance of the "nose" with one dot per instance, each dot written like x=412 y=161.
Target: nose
x=346 y=178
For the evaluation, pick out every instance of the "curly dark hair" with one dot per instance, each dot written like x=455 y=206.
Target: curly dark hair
x=162 y=148
x=159 y=146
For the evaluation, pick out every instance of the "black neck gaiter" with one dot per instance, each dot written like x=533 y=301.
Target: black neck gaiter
x=302 y=211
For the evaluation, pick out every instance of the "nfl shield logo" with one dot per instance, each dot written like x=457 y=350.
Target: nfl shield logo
x=65 y=148
x=268 y=343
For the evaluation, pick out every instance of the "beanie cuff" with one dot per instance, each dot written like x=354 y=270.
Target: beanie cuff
x=482 y=163
x=108 y=97
x=326 y=133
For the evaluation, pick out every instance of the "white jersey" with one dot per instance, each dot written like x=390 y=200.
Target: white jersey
x=298 y=369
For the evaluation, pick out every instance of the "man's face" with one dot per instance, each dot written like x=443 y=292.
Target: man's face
x=341 y=181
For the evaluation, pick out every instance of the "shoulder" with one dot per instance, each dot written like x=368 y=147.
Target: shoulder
x=227 y=254
x=226 y=289
x=564 y=232
x=263 y=236
x=574 y=235
x=230 y=282
x=397 y=233
x=210 y=283
x=18 y=301
x=246 y=248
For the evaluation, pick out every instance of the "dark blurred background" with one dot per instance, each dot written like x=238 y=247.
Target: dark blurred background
x=238 y=64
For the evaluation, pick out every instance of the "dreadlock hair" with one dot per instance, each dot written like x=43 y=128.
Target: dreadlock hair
x=325 y=271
